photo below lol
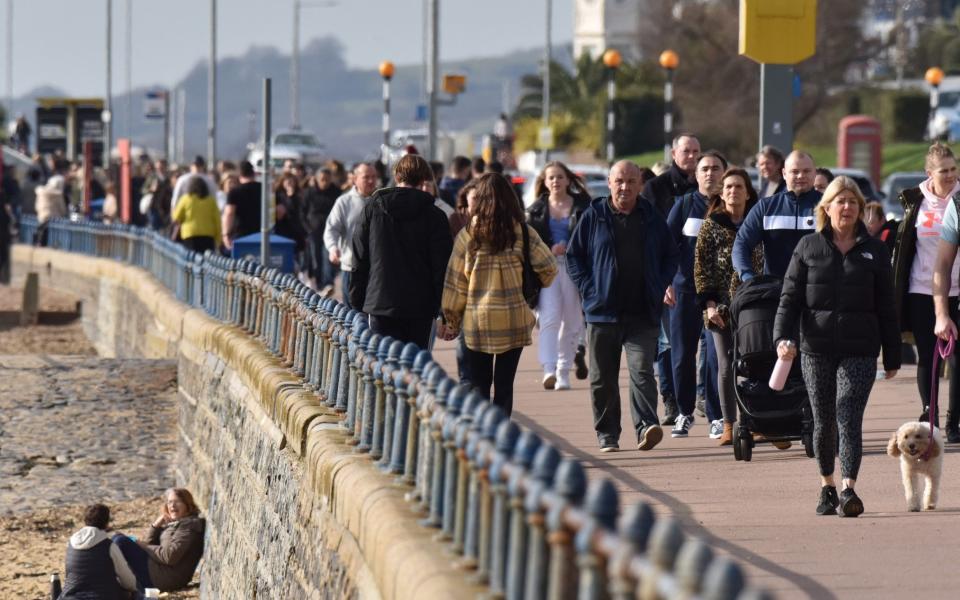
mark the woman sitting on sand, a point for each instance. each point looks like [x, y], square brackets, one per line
[168, 556]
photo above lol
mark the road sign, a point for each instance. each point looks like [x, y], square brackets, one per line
[454, 84]
[545, 138]
[422, 113]
[154, 106]
[778, 32]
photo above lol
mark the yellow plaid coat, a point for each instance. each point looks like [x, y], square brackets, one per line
[483, 292]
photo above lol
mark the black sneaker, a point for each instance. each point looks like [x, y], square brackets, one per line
[953, 435]
[670, 411]
[850, 503]
[925, 417]
[828, 501]
[609, 445]
[580, 362]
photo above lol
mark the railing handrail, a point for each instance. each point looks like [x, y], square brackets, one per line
[525, 518]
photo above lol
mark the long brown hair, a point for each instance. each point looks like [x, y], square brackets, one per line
[185, 496]
[498, 210]
[576, 185]
[716, 205]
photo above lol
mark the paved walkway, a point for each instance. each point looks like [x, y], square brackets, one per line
[762, 512]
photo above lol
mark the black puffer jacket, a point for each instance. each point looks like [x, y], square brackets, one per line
[663, 190]
[538, 216]
[905, 250]
[401, 246]
[842, 303]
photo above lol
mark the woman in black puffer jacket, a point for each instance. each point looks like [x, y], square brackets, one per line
[839, 291]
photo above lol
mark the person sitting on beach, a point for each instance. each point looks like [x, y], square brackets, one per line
[95, 567]
[168, 556]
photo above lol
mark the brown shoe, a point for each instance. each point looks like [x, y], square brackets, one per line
[649, 437]
[779, 445]
[726, 438]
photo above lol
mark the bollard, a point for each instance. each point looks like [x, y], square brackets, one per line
[634, 529]
[400, 427]
[508, 433]
[526, 448]
[363, 430]
[724, 580]
[390, 371]
[666, 538]
[692, 562]
[570, 485]
[544, 467]
[602, 505]
[492, 420]
[454, 426]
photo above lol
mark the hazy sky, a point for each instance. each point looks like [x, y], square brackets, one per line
[61, 42]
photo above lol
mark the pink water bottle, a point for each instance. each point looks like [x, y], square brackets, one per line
[781, 371]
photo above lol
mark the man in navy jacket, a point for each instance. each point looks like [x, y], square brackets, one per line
[621, 257]
[778, 222]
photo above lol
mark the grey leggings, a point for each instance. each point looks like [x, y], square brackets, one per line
[838, 389]
[723, 342]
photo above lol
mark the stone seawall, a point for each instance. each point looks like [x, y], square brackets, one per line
[292, 512]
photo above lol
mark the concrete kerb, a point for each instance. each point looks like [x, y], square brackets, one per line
[401, 556]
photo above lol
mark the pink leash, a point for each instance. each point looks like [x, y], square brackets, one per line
[942, 351]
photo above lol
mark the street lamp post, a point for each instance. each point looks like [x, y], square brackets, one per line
[547, 59]
[934, 77]
[386, 71]
[612, 60]
[212, 89]
[295, 59]
[669, 60]
[107, 114]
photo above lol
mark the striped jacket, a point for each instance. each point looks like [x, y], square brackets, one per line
[483, 292]
[778, 222]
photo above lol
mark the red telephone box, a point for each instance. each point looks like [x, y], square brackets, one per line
[859, 145]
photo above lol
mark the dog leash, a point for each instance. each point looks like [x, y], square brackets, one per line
[942, 351]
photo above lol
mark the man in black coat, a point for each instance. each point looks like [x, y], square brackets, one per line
[401, 246]
[662, 191]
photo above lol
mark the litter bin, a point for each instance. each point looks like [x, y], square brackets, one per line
[281, 250]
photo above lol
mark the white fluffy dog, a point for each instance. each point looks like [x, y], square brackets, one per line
[909, 443]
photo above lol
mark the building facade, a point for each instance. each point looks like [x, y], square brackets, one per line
[600, 25]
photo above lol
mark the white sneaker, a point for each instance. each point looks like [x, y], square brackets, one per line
[563, 381]
[549, 381]
[716, 429]
[682, 427]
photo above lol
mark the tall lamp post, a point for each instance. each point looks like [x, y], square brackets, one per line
[386, 71]
[669, 60]
[612, 60]
[934, 77]
[298, 5]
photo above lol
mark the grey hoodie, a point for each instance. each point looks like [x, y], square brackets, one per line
[88, 537]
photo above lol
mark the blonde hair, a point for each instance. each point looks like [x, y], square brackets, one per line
[937, 151]
[840, 184]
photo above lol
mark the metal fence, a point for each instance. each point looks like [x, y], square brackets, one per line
[524, 521]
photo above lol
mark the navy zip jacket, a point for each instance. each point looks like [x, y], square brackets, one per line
[778, 222]
[685, 219]
[592, 260]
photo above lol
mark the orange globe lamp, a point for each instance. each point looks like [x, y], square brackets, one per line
[669, 60]
[386, 69]
[612, 59]
[934, 76]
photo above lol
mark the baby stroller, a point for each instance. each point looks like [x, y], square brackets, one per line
[777, 416]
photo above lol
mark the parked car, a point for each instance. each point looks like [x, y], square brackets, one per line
[301, 146]
[893, 185]
[866, 186]
[944, 121]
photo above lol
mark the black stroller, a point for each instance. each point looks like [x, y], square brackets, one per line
[777, 416]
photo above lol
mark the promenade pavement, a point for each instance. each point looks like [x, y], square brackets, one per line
[762, 512]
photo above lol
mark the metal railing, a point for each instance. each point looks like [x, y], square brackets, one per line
[524, 520]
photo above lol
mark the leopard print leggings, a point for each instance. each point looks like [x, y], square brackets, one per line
[838, 389]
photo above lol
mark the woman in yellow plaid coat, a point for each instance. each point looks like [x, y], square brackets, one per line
[483, 288]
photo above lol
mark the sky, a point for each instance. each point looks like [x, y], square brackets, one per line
[62, 42]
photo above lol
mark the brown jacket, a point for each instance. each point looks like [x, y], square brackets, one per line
[174, 552]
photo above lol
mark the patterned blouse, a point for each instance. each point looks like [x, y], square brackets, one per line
[713, 271]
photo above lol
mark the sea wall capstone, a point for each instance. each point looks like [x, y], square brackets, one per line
[292, 511]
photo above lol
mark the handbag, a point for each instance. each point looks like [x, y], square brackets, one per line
[531, 281]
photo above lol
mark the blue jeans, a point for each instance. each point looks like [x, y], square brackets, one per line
[686, 328]
[136, 558]
[345, 287]
[664, 363]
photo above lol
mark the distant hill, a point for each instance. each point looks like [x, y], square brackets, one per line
[342, 105]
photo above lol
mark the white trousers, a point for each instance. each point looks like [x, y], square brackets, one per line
[561, 321]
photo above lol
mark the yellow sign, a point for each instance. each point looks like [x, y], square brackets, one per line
[778, 32]
[454, 84]
[545, 138]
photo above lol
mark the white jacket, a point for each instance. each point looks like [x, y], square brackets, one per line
[344, 216]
